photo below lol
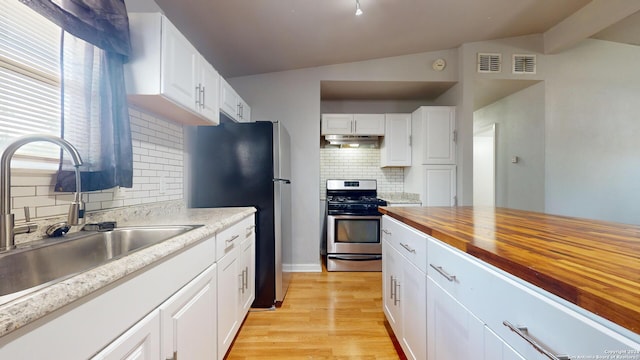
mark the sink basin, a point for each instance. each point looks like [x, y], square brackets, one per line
[53, 260]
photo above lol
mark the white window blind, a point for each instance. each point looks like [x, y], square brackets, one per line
[29, 78]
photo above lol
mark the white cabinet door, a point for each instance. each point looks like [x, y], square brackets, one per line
[232, 104]
[140, 342]
[438, 134]
[413, 293]
[247, 270]
[439, 185]
[228, 99]
[391, 272]
[208, 88]
[496, 349]
[395, 149]
[337, 124]
[244, 111]
[230, 285]
[404, 260]
[179, 59]
[368, 124]
[454, 333]
[166, 75]
[188, 319]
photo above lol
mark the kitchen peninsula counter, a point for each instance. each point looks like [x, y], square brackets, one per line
[593, 264]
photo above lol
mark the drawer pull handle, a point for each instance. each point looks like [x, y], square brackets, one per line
[441, 271]
[408, 248]
[522, 332]
[232, 239]
[386, 232]
[396, 299]
[392, 287]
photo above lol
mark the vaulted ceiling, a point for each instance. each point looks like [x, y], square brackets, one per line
[245, 37]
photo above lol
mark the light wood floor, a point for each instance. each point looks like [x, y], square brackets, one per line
[328, 315]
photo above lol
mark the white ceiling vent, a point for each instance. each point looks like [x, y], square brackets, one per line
[489, 63]
[524, 64]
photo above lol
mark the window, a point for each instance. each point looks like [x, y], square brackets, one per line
[29, 78]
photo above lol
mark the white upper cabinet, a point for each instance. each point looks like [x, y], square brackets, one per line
[434, 129]
[395, 149]
[209, 85]
[178, 65]
[353, 124]
[337, 124]
[166, 74]
[368, 124]
[232, 104]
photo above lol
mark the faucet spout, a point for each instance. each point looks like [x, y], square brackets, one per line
[7, 225]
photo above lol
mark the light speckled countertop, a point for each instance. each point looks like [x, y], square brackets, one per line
[400, 198]
[28, 308]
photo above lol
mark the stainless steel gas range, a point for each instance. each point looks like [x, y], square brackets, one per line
[353, 226]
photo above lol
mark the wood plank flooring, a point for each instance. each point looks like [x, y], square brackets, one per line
[328, 315]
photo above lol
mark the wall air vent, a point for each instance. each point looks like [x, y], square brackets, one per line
[489, 63]
[524, 64]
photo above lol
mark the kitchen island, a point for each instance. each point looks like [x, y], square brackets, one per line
[592, 264]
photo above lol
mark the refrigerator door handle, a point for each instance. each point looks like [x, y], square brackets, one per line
[286, 181]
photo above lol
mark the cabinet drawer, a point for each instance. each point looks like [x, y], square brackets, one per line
[410, 243]
[458, 273]
[553, 324]
[230, 238]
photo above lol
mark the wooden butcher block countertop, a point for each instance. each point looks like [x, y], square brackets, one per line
[593, 264]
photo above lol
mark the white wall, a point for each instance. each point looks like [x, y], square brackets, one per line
[293, 97]
[519, 120]
[593, 132]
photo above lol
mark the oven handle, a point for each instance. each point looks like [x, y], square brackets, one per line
[355, 257]
[361, 217]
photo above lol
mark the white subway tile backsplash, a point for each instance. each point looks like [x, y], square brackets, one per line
[157, 152]
[358, 164]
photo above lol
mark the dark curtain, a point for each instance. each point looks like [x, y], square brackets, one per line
[95, 113]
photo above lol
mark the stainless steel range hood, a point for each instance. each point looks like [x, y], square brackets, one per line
[353, 140]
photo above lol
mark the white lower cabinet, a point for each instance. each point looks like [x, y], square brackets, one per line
[495, 348]
[228, 299]
[404, 286]
[188, 320]
[454, 332]
[182, 327]
[141, 342]
[236, 280]
[175, 309]
[248, 269]
[391, 271]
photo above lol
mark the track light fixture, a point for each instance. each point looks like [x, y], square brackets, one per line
[358, 9]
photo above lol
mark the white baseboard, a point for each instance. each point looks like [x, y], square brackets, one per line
[302, 267]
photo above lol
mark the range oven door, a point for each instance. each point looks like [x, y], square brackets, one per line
[353, 234]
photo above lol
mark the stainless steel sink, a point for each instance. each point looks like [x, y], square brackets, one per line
[54, 260]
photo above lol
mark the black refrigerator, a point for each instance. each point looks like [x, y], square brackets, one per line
[248, 164]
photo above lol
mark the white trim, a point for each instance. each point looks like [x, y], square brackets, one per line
[302, 267]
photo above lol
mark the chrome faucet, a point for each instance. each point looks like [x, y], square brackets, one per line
[8, 230]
